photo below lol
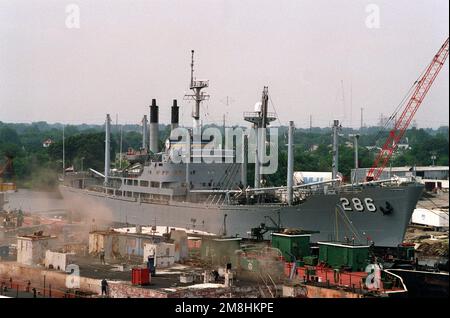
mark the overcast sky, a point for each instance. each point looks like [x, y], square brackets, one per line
[318, 58]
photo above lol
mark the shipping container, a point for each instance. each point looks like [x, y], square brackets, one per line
[140, 276]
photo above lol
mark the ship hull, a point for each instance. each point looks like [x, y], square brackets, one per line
[318, 213]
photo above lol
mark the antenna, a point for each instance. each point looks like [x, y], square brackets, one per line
[192, 68]
[227, 101]
[351, 104]
[343, 98]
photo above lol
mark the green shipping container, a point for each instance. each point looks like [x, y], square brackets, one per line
[338, 255]
[292, 245]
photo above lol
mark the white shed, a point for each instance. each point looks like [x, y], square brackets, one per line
[435, 218]
[31, 248]
[164, 253]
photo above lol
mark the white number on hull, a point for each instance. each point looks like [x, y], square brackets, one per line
[346, 204]
[358, 205]
[370, 205]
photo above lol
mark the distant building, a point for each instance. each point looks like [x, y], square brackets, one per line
[47, 143]
[70, 169]
[313, 148]
[306, 177]
[433, 174]
[404, 144]
[31, 248]
[349, 144]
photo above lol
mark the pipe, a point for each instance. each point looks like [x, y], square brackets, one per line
[294, 187]
[356, 158]
[97, 173]
[244, 161]
[290, 164]
[257, 168]
[154, 129]
[107, 148]
[335, 164]
[175, 118]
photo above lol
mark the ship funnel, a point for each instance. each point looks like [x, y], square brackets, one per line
[175, 115]
[154, 129]
[144, 132]
[107, 147]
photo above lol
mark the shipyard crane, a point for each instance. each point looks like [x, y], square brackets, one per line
[411, 106]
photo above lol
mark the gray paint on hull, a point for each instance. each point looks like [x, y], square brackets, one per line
[316, 213]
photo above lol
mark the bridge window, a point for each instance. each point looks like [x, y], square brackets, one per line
[144, 183]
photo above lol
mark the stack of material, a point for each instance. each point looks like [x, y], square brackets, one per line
[434, 248]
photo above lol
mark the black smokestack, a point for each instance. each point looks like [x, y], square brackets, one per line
[175, 118]
[154, 112]
[154, 129]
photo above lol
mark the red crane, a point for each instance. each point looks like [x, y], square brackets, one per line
[412, 105]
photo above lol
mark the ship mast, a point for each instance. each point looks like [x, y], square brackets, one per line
[198, 96]
[260, 119]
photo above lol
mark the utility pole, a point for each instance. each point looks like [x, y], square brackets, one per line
[107, 148]
[120, 147]
[361, 126]
[310, 123]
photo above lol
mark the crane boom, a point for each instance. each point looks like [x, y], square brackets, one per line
[413, 104]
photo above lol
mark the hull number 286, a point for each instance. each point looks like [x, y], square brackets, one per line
[359, 205]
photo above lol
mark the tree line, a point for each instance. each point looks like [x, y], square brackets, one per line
[39, 166]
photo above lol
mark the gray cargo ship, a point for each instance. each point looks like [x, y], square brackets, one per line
[215, 197]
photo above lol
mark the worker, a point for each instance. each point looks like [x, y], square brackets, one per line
[104, 287]
[102, 256]
[336, 275]
[215, 273]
